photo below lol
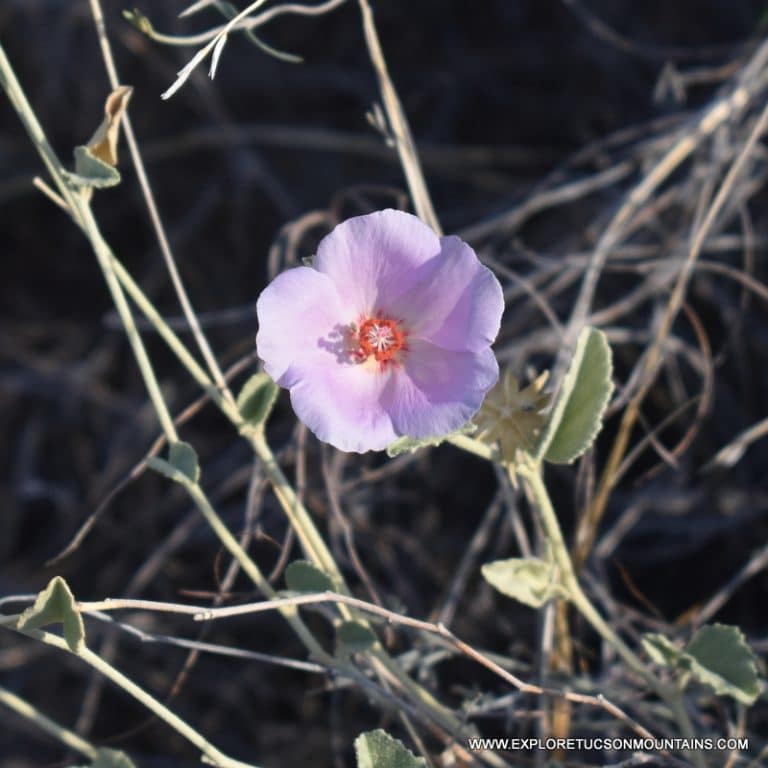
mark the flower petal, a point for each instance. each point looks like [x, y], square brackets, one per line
[459, 302]
[373, 259]
[437, 390]
[301, 320]
[342, 405]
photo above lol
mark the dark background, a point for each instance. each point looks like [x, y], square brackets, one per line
[499, 93]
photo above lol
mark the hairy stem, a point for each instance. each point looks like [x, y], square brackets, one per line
[671, 696]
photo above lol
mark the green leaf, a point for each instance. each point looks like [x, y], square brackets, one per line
[184, 457]
[411, 444]
[256, 398]
[577, 415]
[92, 172]
[352, 637]
[56, 605]
[661, 650]
[528, 580]
[182, 465]
[377, 749]
[110, 758]
[303, 576]
[718, 656]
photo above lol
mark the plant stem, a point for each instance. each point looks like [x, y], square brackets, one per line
[81, 210]
[154, 215]
[670, 695]
[310, 538]
[150, 702]
[250, 568]
[316, 549]
[398, 123]
[64, 735]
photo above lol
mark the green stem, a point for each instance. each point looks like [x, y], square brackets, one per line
[64, 735]
[554, 535]
[147, 308]
[105, 258]
[290, 613]
[81, 210]
[146, 699]
[316, 549]
[115, 274]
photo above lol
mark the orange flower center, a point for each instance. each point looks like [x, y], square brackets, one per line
[379, 337]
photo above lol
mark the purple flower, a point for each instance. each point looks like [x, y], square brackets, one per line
[387, 335]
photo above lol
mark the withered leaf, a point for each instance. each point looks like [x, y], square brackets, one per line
[103, 143]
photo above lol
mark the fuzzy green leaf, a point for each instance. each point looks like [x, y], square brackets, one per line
[183, 457]
[411, 444]
[577, 415]
[256, 398]
[303, 576]
[352, 637]
[90, 171]
[110, 758]
[182, 465]
[528, 580]
[718, 656]
[56, 605]
[377, 749]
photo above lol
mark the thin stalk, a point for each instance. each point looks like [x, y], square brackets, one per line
[290, 613]
[143, 697]
[554, 535]
[81, 210]
[176, 345]
[300, 519]
[105, 258]
[154, 215]
[398, 123]
[317, 550]
[68, 738]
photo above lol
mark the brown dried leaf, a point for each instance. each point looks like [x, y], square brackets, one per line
[103, 143]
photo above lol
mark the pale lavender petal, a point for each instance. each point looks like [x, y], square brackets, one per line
[342, 405]
[459, 303]
[301, 320]
[437, 390]
[373, 259]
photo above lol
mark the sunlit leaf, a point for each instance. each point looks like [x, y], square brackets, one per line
[56, 605]
[528, 580]
[377, 749]
[110, 758]
[577, 415]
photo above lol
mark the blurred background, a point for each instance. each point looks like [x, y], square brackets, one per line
[249, 171]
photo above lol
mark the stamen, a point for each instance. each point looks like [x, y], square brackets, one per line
[379, 337]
